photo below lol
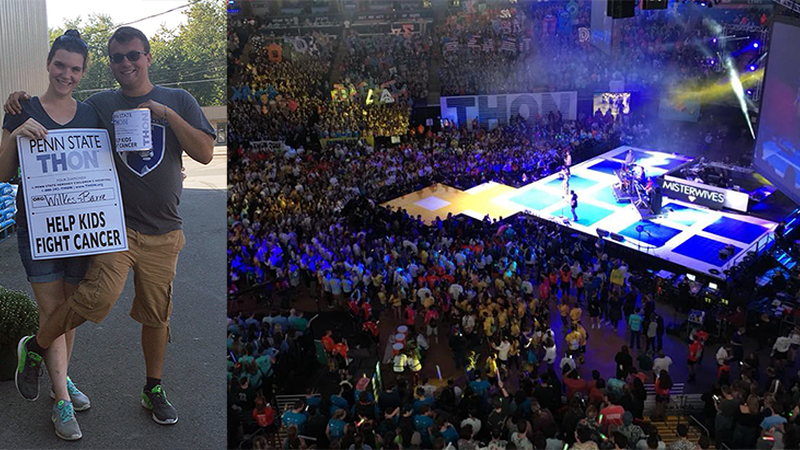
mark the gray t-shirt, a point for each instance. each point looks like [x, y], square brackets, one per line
[151, 181]
[85, 117]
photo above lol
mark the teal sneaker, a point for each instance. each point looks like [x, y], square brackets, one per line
[64, 421]
[156, 401]
[29, 369]
[80, 401]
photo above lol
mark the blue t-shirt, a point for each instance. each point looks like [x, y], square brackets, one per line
[450, 435]
[480, 387]
[85, 117]
[337, 428]
[338, 402]
[772, 421]
[264, 365]
[422, 423]
[635, 322]
[293, 418]
[418, 403]
[314, 400]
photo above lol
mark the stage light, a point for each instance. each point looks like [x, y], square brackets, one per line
[713, 40]
[752, 68]
[749, 92]
[755, 44]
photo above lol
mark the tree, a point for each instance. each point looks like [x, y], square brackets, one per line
[191, 56]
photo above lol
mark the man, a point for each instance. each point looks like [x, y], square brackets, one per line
[683, 442]
[502, 351]
[624, 362]
[635, 324]
[662, 362]
[573, 204]
[151, 186]
[724, 355]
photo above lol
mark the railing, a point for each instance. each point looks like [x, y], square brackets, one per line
[758, 246]
[699, 424]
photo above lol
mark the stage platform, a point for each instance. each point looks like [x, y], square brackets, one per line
[684, 233]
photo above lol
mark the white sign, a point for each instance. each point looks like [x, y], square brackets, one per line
[703, 194]
[132, 130]
[71, 194]
[267, 146]
[466, 108]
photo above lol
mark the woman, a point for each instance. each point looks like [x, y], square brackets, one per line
[52, 280]
[663, 385]
[748, 421]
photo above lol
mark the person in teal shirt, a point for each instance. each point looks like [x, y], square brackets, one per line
[635, 324]
[336, 425]
[298, 322]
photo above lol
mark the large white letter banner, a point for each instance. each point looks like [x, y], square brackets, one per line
[72, 194]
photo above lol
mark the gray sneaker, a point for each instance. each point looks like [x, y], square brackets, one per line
[80, 402]
[156, 401]
[29, 369]
[64, 420]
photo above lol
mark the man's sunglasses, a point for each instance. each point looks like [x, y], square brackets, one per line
[132, 56]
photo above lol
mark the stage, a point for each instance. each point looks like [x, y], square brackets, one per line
[684, 233]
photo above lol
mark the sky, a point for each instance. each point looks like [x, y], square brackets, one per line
[121, 11]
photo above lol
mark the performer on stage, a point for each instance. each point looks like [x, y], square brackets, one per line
[574, 204]
[629, 158]
[565, 182]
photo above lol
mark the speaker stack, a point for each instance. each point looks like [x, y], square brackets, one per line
[620, 9]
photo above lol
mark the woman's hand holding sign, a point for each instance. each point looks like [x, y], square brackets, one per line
[30, 128]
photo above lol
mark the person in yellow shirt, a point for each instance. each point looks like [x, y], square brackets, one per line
[573, 342]
[533, 306]
[428, 301]
[382, 296]
[520, 308]
[488, 326]
[575, 314]
[397, 304]
[423, 257]
[502, 319]
[515, 328]
[563, 308]
[513, 353]
[581, 341]
[491, 363]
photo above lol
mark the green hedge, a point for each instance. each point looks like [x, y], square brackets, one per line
[19, 317]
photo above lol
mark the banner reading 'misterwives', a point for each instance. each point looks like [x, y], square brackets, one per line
[72, 195]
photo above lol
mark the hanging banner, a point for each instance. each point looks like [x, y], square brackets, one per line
[71, 191]
[464, 109]
[275, 53]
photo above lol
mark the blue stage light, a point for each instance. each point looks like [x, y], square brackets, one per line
[756, 44]
[713, 40]
[752, 68]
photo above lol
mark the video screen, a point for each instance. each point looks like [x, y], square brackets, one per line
[617, 102]
[778, 138]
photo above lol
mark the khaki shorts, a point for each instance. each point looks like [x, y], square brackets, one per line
[153, 260]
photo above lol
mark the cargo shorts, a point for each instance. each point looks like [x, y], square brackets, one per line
[153, 259]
